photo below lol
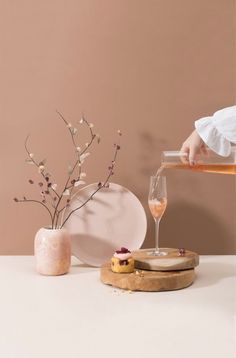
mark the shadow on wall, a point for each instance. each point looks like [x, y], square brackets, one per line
[150, 156]
[180, 228]
[185, 224]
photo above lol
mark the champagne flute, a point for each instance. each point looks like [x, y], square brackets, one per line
[157, 201]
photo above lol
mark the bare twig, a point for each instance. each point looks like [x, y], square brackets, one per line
[36, 201]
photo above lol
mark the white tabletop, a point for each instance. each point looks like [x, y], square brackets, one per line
[76, 316]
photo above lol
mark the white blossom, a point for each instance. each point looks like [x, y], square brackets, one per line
[91, 125]
[41, 168]
[78, 149]
[66, 192]
[69, 125]
[81, 121]
[74, 130]
[82, 175]
[86, 144]
[31, 155]
[70, 169]
[54, 186]
[84, 156]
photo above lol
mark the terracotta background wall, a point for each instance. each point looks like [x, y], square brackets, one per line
[148, 67]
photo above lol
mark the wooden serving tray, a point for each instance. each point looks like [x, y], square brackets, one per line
[142, 280]
[170, 262]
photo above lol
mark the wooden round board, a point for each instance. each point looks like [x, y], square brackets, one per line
[170, 262]
[147, 280]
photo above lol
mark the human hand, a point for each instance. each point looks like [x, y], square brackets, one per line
[193, 146]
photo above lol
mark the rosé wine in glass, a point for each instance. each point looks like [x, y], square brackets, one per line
[157, 201]
[157, 207]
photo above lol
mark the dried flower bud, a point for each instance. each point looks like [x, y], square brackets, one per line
[118, 147]
[41, 168]
[99, 184]
[119, 132]
[49, 185]
[98, 138]
[43, 162]
[55, 198]
[16, 200]
[68, 200]
[47, 178]
[182, 252]
[40, 184]
[73, 181]
[46, 192]
[43, 201]
[31, 181]
[107, 185]
[24, 198]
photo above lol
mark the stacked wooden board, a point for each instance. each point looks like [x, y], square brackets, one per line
[155, 273]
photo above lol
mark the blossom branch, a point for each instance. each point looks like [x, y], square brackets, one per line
[39, 165]
[100, 185]
[67, 187]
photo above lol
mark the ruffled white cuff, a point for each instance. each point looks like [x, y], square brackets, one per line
[212, 137]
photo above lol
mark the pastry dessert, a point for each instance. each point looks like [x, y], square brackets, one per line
[122, 261]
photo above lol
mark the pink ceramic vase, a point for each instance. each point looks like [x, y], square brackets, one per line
[52, 249]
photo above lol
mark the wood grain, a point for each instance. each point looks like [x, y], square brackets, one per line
[170, 262]
[147, 280]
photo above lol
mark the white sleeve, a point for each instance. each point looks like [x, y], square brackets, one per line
[219, 130]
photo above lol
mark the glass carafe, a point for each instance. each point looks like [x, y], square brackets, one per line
[211, 162]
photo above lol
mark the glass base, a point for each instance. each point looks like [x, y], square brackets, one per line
[158, 252]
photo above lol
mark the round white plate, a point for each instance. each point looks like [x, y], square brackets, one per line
[112, 219]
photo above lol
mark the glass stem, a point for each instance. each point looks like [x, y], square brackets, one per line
[157, 249]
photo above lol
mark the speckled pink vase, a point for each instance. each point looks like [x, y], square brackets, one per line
[52, 249]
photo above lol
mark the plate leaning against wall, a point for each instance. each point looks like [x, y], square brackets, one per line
[114, 218]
